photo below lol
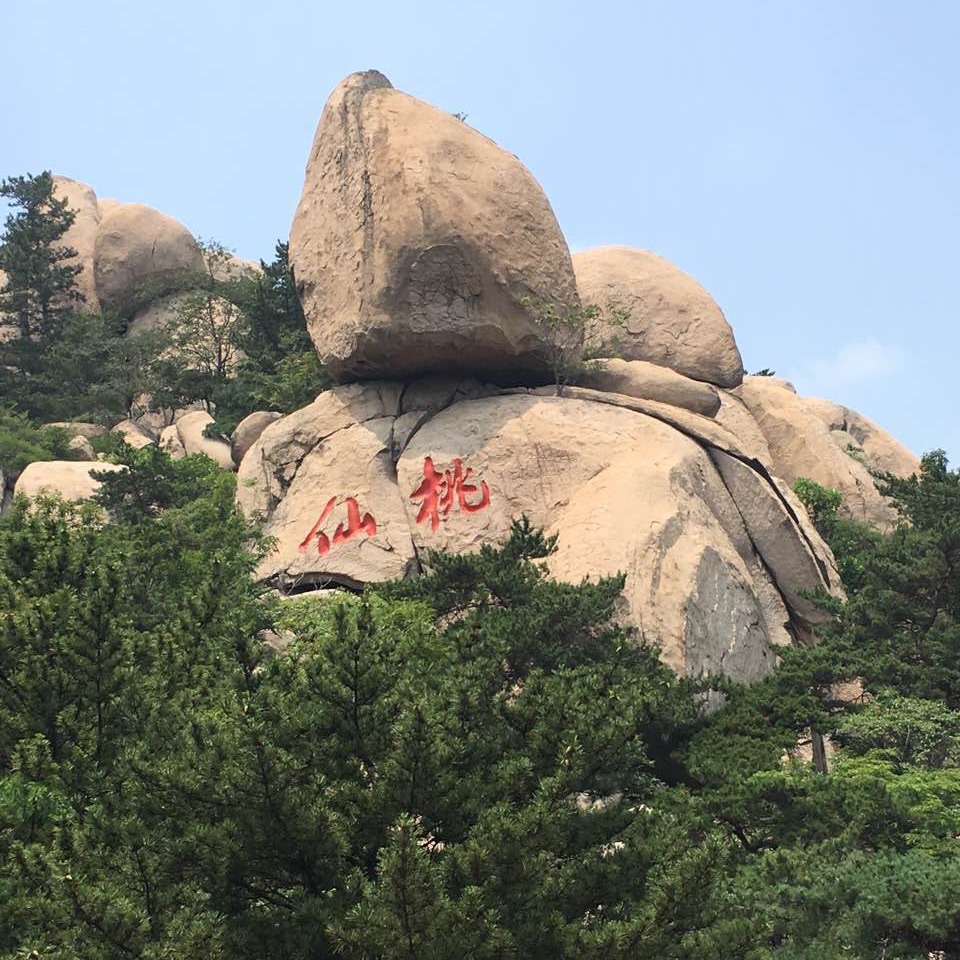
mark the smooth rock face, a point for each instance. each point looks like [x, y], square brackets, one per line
[322, 481]
[415, 240]
[671, 320]
[793, 552]
[851, 429]
[624, 492]
[800, 445]
[141, 254]
[69, 479]
[248, 432]
[190, 429]
[82, 235]
[637, 378]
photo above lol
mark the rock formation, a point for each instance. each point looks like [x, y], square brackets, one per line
[82, 234]
[359, 484]
[414, 245]
[802, 442]
[417, 239]
[130, 254]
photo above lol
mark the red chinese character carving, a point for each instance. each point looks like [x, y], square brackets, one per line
[439, 491]
[355, 526]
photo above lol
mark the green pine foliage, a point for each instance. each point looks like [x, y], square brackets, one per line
[21, 442]
[39, 288]
[279, 369]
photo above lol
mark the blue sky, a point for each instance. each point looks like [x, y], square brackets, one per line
[799, 159]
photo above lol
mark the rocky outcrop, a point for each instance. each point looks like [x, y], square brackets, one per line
[190, 431]
[323, 482]
[669, 319]
[69, 479]
[170, 442]
[647, 381]
[82, 234]
[76, 428]
[801, 445]
[416, 240]
[855, 434]
[355, 487]
[133, 434]
[81, 448]
[248, 432]
[140, 255]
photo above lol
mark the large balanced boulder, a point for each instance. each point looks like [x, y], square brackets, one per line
[140, 255]
[801, 446]
[666, 317]
[357, 486]
[417, 240]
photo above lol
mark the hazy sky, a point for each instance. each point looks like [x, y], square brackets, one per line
[800, 159]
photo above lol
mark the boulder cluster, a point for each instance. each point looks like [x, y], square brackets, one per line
[425, 256]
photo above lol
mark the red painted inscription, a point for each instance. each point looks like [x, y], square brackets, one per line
[355, 526]
[440, 492]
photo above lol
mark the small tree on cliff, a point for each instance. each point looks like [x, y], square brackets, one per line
[39, 289]
[573, 335]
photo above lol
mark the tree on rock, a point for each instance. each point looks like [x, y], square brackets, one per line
[40, 287]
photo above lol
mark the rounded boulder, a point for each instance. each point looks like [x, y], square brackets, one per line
[665, 316]
[141, 255]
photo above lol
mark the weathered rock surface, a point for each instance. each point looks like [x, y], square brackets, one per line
[322, 481]
[671, 320]
[248, 432]
[716, 558]
[69, 479]
[850, 429]
[80, 447]
[77, 428]
[624, 492]
[735, 417]
[82, 234]
[140, 255]
[416, 239]
[133, 434]
[800, 445]
[190, 429]
[648, 381]
[169, 441]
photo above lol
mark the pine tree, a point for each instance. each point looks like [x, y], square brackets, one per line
[40, 286]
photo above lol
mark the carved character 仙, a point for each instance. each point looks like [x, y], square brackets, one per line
[355, 526]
